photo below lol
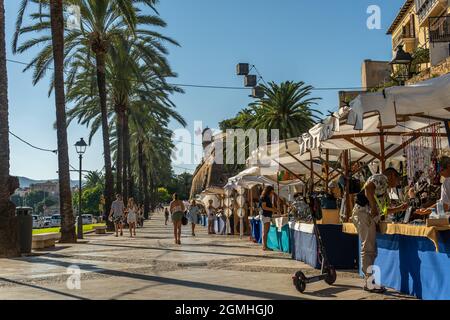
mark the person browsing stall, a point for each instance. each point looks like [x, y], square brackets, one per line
[268, 208]
[371, 204]
[445, 188]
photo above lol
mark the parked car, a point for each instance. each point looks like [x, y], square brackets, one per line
[56, 220]
[38, 222]
[87, 219]
[47, 222]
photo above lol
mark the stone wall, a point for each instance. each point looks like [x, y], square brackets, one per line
[433, 72]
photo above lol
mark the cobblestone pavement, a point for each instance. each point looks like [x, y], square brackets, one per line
[151, 266]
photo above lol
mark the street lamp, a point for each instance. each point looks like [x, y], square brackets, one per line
[401, 65]
[80, 146]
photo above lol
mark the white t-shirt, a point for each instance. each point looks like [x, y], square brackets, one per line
[445, 191]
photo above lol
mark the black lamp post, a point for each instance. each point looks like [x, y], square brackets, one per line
[401, 65]
[80, 146]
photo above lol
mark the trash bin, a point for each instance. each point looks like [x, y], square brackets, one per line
[25, 223]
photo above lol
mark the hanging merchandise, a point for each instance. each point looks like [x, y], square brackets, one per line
[422, 155]
[240, 212]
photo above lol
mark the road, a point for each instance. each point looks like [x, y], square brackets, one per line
[151, 266]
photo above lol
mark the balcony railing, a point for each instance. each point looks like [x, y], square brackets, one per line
[439, 29]
[400, 37]
[425, 7]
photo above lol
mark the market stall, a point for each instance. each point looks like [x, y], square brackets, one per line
[413, 252]
[413, 259]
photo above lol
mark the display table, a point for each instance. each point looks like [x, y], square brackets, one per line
[413, 259]
[256, 226]
[279, 238]
[341, 248]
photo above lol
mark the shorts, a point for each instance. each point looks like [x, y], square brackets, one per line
[118, 219]
[264, 219]
[211, 218]
[177, 216]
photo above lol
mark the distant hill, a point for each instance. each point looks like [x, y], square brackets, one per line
[26, 182]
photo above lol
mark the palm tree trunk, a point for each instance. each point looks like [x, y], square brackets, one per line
[152, 193]
[9, 240]
[145, 190]
[126, 158]
[119, 161]
[140, 164]
[101, 82]
[65, 195]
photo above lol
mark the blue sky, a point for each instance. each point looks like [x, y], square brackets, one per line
[320, 42]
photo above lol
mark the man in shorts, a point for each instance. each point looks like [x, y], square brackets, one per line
[116, 214]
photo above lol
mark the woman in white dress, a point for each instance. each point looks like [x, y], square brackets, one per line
[132, 211]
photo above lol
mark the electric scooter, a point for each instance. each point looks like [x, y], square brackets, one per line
[328, 272]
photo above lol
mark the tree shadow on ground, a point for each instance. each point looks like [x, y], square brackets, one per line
[34, 286]
[187, 251]
[159, 279]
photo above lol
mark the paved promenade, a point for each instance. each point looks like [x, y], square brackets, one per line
[151, 266]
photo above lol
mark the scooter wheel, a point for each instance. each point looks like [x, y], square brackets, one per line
[299, 281]
[331, 276]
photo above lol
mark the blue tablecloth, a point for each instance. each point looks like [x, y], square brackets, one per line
[256, 226]
[304, 247]
[411, 265]
[341, 248]
[279, 241]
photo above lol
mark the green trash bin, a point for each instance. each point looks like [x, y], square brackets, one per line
[25, 224]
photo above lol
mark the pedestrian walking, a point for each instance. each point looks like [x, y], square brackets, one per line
[211, 211]
[132, 212]
[177, 209]
[166, 216]
[194, 211]
[116, 214]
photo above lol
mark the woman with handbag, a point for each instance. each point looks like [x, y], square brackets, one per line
[177, 210]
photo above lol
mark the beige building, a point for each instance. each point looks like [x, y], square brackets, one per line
[48, 186]
[374, 73]
[423, 24]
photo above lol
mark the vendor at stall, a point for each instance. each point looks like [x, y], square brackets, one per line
[445, 188]
[371, 203]
[267, 205]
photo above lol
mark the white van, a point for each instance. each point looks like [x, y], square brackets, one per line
[56, 220]
[86, 218]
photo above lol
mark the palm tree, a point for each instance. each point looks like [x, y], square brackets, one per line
[65, 194]
[286, 107]
[9, 241]
[54, 22]
[93, 179]
[101, 22]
